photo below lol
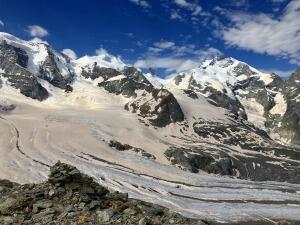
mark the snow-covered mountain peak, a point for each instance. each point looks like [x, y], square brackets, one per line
[10, 38]
[218, 73]
[37, 54]
[34, 67]
[102, 59]
[220, 118]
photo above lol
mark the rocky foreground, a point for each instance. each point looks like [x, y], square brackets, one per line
[70, 197]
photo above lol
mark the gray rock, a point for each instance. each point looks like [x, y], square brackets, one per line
[144, 221]
[160, 104]
[105, 215]
[7, 220]
[43, 204]
[14, 62]
[96, 72]
[49, 71]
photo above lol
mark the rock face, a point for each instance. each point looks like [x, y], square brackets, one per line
[125, 86]
[257, 132]
[125, 147]
[50, 72]
[96, 71]
[13, 62]
[218, 98]
[160, 106]
[6, 107]
[157, 106]
[265, 100]
[27, 65]
[290, 123]
[193, 161]
[217, 161]
[70, 197]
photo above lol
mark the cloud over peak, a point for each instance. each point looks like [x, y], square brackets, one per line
[70, 53]
[169, 56]
[266, 34]
[37, 31]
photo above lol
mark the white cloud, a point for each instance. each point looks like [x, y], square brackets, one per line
[239, 3]
[142, 3]
[155, 50]
[164, 44]
[140, 44]
[175, 58]
[37, 31]
[1, 23]
[172, 48]
[106, 56]
[102, 51]
[174, 15]
[263, 33]
[130, 35]
[159, 62]
[70, 53]
[193, 7]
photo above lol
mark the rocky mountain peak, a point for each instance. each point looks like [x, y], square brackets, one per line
[102, 59]
[295, 77]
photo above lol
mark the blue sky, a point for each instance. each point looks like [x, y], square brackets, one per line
[168, 35]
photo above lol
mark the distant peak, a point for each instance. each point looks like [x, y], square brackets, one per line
[102, 59]
[9, 37]
[13, 40]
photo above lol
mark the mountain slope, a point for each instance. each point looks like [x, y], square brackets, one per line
[260, 98]
[238, 139]
[218, 122]
[290, 123]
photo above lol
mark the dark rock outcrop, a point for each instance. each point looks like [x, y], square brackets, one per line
[167, 110]
[290, 123]
[6, 107]
[50, 72]
[195, 161]
[70, 197]
[96, 72]
[160, 107]
[125, 86]
[13, 61]
[217, 98]
[217, 161]
[136, 75]
[220, 99]
[125, 147]
[191, 94]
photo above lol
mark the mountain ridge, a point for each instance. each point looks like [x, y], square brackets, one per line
[256, 112]
[204, 143]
